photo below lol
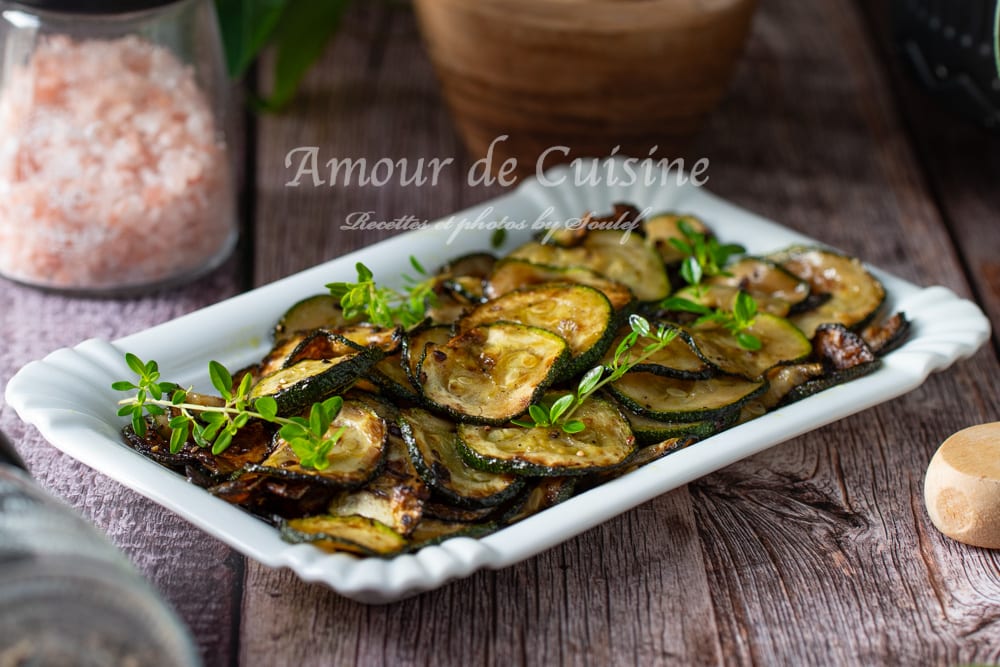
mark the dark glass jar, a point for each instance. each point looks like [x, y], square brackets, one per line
[952, 48]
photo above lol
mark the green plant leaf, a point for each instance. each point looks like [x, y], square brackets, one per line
[590, 380]
[178, 436]
[302, 33]
[539, 414]
[135, 364]
[221, 379]
[560, 407]
[684, 305]
[123, 385]
[748, 341]
[246, 26]
[267, 407]
[222, 442]
[498, 237]
[574, 426]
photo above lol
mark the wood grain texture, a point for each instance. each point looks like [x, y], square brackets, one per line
[815, 552]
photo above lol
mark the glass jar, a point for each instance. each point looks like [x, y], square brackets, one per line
[114, 169]
[67, 596]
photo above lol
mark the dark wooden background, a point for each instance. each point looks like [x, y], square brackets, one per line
[818, 551]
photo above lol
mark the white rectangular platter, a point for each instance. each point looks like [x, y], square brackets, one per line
[68, 397]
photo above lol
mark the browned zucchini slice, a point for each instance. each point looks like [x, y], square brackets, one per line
[840, 348]
[884, 337]
[762, 277]
[513, 274]
[679, 359]
[580, 315]
[781, 343]
[855, 294]
[670, 399]
[435, 531]
[625, 258]
[723, 296]
[649, 431]
[544, 493]
[606, 441]
[297, 387]
[491, 373]
[659, 229]
[781, 380]
[433, 448]
[392, 378]
[414, 343]
[321, 311]
[357, 535]
[357, 457]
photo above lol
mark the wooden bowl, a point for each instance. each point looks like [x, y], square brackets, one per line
[586, 74]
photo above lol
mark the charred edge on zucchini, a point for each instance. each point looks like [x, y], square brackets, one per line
[884, 337]
[670, 399]
[649, 431]
[514, 274]
[856, 296]
[491, 373]
[781, 343]
[433, 447]
[679, 359]
[541, 495]
[839, 348]
[763, 277]
[430, 532]
[414, 344]
[354, 534]
[605, 443]
[297, 387]
[580, 315]
[616, 256]
[321, 311]
[356, 459]
[830, 379]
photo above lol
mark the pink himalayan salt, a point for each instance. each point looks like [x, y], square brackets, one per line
[112, 171]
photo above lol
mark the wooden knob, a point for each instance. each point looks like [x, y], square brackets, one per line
[962, 488]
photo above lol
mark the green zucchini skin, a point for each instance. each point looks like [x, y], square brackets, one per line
[856, 296]
[414, 343]
[491, 373]
[760, 276]
[680, 359]
[650, 431]
[831, 379]
[626, 259]
[782, 343]
[512, 274]
[358, 535]
[356, 459]
[670, 399]
[296, 387]
[390, 376]
[430, 532]
[606, 442]
[541, 494]
[320, 311]
[433, 448]
[579, 314]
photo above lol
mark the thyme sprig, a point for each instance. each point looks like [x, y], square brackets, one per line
[736, 322]
[385, 306]
[215, 426]
[704, 256]
[560, 412]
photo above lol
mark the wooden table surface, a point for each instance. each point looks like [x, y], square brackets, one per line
[818, 551]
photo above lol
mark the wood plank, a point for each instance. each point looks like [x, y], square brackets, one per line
[179, 560]
[820, 550]
[632, 590]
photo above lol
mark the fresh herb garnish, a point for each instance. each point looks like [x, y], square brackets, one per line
[561, 411]
[215, 426]
[736, 321]
[704, 256]
[385, 306]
